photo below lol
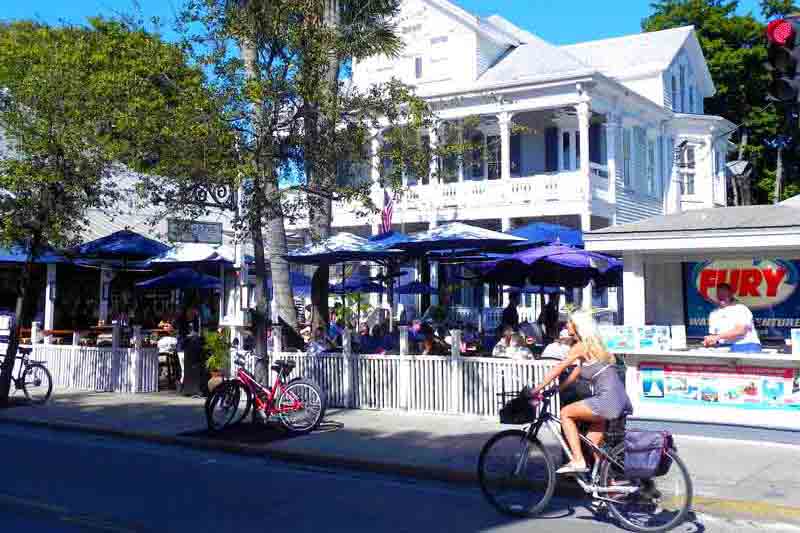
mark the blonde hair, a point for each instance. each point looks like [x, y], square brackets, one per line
[586, 330]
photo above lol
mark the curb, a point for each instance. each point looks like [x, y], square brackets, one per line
[734, 509]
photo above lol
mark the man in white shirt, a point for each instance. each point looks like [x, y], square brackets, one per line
[731, 324]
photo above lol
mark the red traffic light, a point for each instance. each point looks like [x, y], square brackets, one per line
[781, 32]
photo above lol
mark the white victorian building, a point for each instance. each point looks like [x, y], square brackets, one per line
[581, 135]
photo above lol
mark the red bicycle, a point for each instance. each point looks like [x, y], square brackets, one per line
[299, 404]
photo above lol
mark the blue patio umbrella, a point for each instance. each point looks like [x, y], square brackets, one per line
[553, 265]
[301, 284]
[181, 278]
[195, 252]
[415, 287]
[124, 244]
[341, 248]
[537, 233]
[19, 254]
[357, 284]
[456, 236]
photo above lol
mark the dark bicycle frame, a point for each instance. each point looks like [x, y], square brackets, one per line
[26, 363]
[553, 423]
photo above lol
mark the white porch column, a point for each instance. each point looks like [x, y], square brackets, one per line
[50, 300]
[633, 290]
[106, 275]
[504, 121]
[612, 132]
[505, 223]
[584, 114]
[433, 134]
[586, 297]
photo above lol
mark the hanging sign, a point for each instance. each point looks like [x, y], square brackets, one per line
[194, 231]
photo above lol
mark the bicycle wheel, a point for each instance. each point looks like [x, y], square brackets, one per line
[301, 406]
[660, 504]
[221, 405]
[37, 384]
[244, 401]
[516, 473]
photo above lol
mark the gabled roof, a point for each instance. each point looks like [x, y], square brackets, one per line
[751, 217]
[534, 59]
[638, 55]
[478, 24]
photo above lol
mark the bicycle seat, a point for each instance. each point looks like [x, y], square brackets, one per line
[283, 366]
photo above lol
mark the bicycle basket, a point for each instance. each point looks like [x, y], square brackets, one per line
[517, 410]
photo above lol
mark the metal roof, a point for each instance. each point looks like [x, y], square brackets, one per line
[755, 217]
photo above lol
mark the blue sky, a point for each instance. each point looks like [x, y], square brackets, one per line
[557, 21]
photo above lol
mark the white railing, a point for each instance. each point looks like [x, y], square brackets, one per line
[537, 189]
[124, 370]
[419, 383]
[488, 317]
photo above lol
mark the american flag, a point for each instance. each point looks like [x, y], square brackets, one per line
[386, 212]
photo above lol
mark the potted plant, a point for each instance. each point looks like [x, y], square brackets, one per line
[217, 351]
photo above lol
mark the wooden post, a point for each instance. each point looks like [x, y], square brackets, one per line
[277, 341]
[76, 351]
[455, 371]
[347, 368]
[134, 377]
[404, 380]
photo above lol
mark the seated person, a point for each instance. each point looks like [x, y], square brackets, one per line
[366, 342]
[532, 332]
[306, 334]
[431, 344]
[319, 344]
[559, 348]
[504, 344]
[517, 349]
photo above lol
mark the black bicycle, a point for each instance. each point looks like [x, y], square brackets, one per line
[33, 378]
[517, 475]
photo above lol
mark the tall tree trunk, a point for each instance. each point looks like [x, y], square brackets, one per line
[778, 177]
[321, 208]
[23, 307]
[267, 190]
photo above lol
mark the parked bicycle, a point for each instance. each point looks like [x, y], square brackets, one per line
[517, 473]
[299, 404]
[33, 378]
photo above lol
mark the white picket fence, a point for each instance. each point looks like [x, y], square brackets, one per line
[418, 383]
[99, 369]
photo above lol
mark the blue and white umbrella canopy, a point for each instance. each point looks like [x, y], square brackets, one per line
[181, 278]
[415, 287]
[457, 236]
[537, 233]
[195, 253]
[124, 244]
[340, 248]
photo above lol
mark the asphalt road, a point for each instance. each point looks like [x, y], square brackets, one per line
[67, 482]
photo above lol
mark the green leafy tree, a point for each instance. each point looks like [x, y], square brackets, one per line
[76, 101]
[735, 48]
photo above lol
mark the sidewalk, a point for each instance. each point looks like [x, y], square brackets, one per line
[731, 478]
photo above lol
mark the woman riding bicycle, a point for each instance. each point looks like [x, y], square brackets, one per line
[609, 400]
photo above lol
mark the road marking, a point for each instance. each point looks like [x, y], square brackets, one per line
[720, 440]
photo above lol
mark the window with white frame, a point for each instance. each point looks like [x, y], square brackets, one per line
[566, 163]
[691, 100]
[440, 39]
[639, 159]
[687, 168]
[626, 158]
[651, 167]
[418, 67]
